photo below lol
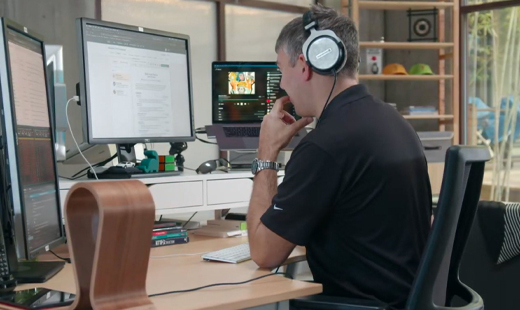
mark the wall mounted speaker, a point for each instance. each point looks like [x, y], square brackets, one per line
[422, 25]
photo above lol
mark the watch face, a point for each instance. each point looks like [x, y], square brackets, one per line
[254, 166]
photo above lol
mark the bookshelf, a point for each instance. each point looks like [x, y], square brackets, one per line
[446, 50]
[383, 77]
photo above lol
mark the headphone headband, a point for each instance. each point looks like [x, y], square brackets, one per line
[308, 21]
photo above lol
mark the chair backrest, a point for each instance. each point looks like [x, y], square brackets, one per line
[496, 281]
[437, 280]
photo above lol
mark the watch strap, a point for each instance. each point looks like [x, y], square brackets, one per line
[266, 164]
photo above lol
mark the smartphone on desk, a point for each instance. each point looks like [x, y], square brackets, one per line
[36, 298]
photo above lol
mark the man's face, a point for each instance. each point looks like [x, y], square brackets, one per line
[294, 83]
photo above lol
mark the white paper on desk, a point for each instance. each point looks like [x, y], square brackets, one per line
[241, 233]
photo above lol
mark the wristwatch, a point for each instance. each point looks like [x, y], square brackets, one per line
[259, 165]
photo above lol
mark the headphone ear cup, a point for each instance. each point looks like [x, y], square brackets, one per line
[324, 52]
[342, 59]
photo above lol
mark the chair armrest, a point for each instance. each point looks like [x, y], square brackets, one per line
[322, 302]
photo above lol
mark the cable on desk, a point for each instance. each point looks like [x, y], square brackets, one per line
[189, 219]
[200, 130]
[76, 177]
[101, 163]
[217, 284]
[62, 258]
[188, 168]
[205, 141]
[76, 98]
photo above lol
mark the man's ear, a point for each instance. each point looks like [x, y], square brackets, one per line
[306, 69]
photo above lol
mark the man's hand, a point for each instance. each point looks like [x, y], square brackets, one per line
[278, 128]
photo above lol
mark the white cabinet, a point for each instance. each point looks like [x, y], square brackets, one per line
[192, 192]
[177, 195]
[229, 191]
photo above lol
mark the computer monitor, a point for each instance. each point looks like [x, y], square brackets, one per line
[31, 194]
[244, 92]
[135, 84]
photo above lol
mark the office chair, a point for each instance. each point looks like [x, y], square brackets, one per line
[437, 280]
[491, 260]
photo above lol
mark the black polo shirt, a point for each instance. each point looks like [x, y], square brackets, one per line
[356, 193]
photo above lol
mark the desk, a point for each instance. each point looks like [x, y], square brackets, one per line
[185, 272]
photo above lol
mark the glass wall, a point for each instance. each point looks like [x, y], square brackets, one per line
[492, 95]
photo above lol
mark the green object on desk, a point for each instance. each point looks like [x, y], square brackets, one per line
[169, 167]
[150, 163]
[169, 159]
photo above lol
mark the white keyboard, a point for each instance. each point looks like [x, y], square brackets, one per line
[234, 255]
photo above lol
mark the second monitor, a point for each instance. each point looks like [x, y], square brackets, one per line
[135, 84]
[244, 92]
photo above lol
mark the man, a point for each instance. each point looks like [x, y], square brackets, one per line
[356, 190]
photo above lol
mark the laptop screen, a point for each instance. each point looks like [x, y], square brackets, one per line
[243, 92]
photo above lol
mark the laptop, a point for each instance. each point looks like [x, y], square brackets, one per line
[242, 94]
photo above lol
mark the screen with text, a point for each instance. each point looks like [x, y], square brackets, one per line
[34, 141]
[138, 84]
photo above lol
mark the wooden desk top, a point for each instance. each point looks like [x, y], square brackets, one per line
[186, 272]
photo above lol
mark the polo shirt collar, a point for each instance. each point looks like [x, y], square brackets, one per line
[351, 94]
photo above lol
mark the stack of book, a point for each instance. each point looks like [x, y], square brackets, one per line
[168, 233]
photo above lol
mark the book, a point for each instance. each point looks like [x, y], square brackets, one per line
[172, 228]
[167, 232]
[162, 224]
[173, 235]
[170, 241]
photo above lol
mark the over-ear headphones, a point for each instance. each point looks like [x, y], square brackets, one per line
[323, 50]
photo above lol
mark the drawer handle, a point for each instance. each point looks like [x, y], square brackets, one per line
[431, 148]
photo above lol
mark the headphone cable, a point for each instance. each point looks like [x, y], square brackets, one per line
[330, 94]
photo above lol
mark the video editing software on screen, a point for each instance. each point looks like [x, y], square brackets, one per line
[245, 92]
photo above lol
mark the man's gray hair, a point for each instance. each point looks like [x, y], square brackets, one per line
[293, 36]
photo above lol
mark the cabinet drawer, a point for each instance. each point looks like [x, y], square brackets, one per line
[177, 195]
[229, 191]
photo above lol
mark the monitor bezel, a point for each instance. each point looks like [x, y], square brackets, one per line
[84, 96]
[9, 141]
[213, 99]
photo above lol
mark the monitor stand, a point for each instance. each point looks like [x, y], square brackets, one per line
[126, 152]
[36, 272]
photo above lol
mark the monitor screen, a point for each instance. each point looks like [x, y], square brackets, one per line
[136, 84]
[38, 207]
[244, 92]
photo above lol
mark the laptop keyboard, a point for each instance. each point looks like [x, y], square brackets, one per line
[234, 132]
